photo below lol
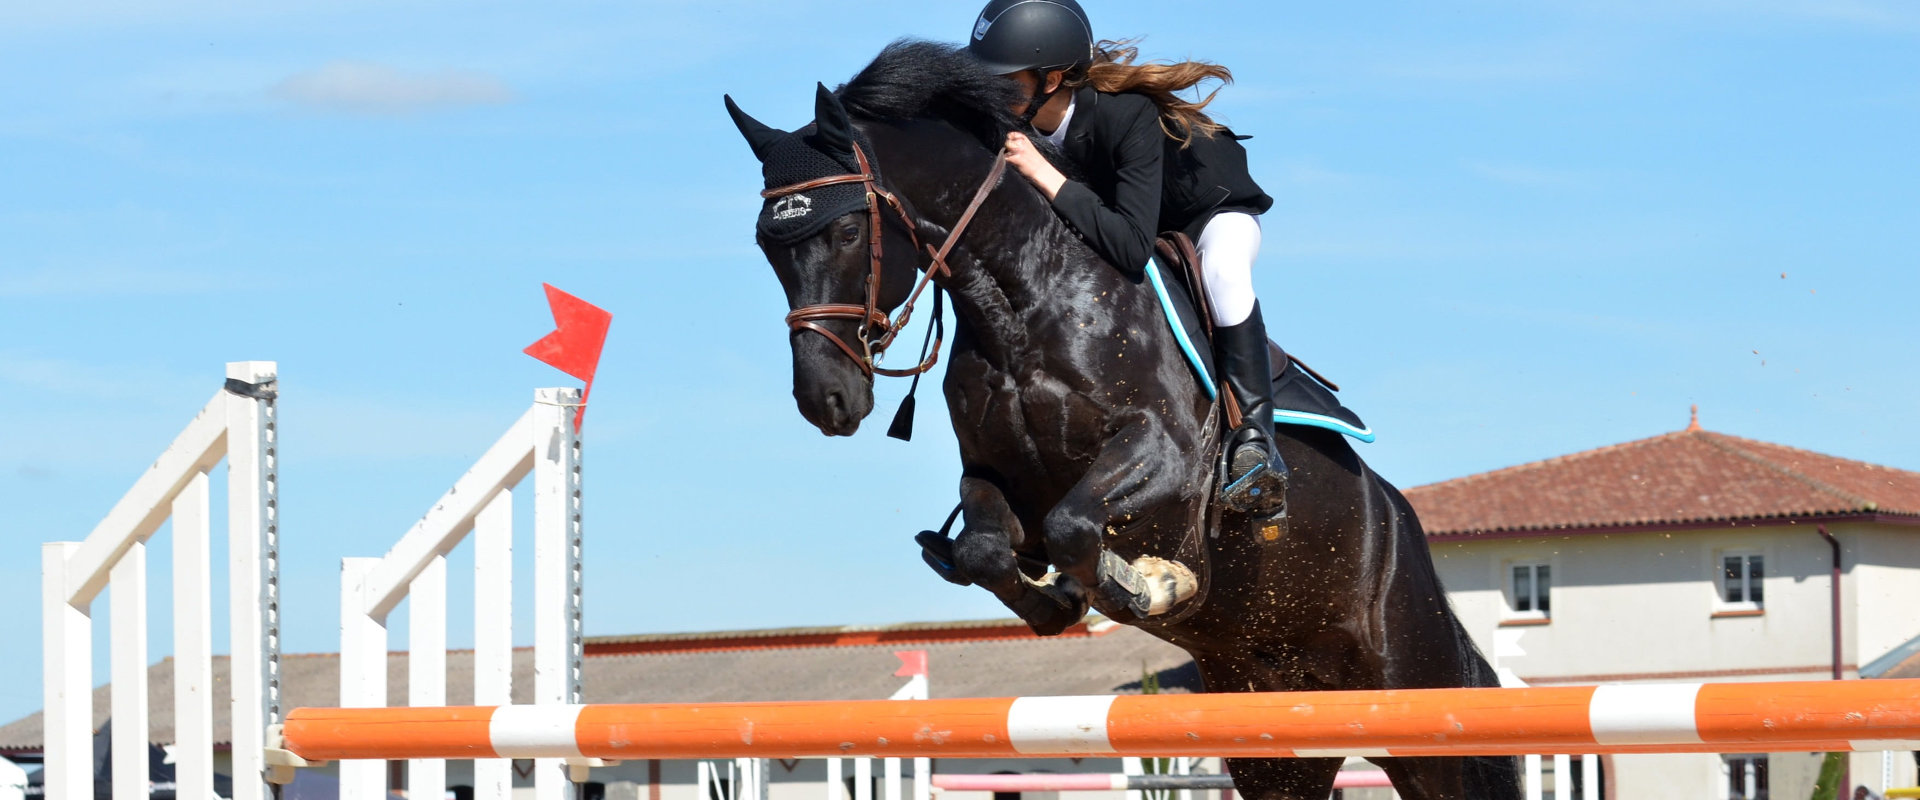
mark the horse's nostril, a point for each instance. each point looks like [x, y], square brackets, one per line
[836, 408]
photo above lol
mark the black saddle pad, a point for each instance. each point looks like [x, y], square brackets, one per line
[1298, 398]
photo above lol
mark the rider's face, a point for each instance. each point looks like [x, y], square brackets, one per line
[1028, 84]
[1026, 81]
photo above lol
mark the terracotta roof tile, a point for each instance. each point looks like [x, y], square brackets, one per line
[1910, 668]
[1691, 476]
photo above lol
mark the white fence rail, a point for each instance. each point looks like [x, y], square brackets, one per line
[239, 425]
[542, 442]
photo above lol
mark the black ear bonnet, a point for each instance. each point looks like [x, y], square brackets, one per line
[818, 150]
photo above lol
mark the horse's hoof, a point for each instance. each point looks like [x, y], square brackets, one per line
[1051, 604]
[937, 551]
[1169, 583]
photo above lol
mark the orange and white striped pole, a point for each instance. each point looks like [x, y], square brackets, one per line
[1630, 718]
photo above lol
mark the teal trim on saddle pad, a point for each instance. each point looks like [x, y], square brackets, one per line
[1280, 416]
[1179, 328]
[1284, 417]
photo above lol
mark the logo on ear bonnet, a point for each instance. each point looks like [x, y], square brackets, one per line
[791, 206]
[980, 27]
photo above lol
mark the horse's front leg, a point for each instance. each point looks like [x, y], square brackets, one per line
[984, 554]
[1139, 469]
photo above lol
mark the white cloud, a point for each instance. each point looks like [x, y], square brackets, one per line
[359, 87]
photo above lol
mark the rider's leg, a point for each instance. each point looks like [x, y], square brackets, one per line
[1256, 476]
[1228, 246]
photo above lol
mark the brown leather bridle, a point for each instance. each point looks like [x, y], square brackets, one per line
[873, 346]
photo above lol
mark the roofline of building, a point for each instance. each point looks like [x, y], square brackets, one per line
[1892, 658]
[1536, 464]
[1897, 519]
[840, 636]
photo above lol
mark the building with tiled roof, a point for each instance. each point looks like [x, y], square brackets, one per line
[1689, 479]
[1689, 556]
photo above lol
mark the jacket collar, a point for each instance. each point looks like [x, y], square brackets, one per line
[1085, 101]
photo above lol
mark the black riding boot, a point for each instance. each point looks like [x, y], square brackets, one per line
[1256, 477]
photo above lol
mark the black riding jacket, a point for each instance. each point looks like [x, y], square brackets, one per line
[1139, 181]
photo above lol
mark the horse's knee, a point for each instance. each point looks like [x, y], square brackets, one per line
[986, 557]
[1073, 543]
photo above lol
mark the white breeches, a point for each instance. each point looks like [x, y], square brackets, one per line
[1228, 246]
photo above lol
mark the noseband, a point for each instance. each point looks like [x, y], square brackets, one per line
[877, 329]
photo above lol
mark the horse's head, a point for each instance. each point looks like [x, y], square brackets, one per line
[843, 261]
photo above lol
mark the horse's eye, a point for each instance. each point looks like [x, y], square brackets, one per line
[849, 234]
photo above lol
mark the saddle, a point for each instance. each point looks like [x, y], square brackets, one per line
[1301, 396]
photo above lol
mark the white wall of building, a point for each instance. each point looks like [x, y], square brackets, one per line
[1646, 606]
[1884, 568]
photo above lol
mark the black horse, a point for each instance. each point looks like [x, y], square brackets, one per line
[1087, 442]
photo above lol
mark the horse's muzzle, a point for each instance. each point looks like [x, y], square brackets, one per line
[831, 392]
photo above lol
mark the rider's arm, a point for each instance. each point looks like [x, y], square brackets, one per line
[1122, 230]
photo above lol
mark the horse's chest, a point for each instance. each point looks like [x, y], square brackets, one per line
[1030, 417]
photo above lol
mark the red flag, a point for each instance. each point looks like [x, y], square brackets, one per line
[579, 331]
[912, 662]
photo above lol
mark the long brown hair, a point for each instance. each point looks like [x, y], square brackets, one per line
[1113, 71]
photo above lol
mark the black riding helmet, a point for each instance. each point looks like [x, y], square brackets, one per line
[1019, 35]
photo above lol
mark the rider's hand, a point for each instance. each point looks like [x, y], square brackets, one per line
[1027, 160]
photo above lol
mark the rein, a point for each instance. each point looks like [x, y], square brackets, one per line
[873, 346]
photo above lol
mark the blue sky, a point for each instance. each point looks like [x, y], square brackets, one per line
[1510, 230]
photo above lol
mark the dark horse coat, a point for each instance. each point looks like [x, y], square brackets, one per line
[1082, 431]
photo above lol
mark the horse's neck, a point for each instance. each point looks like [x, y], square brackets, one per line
[1013, 261]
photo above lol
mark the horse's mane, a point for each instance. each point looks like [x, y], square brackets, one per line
[918, 79]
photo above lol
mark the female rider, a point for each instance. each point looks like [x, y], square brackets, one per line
[1154, 162]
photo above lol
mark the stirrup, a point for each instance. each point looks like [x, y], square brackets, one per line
[937, 550]
[1262, 490]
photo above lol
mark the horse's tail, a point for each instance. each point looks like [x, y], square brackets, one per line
[1476, 671]
[1485, 777]
[1479, 673]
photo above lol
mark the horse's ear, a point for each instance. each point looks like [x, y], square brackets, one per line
[835, 128]
[759, 136]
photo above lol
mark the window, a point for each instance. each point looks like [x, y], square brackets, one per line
[1741, 584]
[1529, 590]
[1746, 776]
